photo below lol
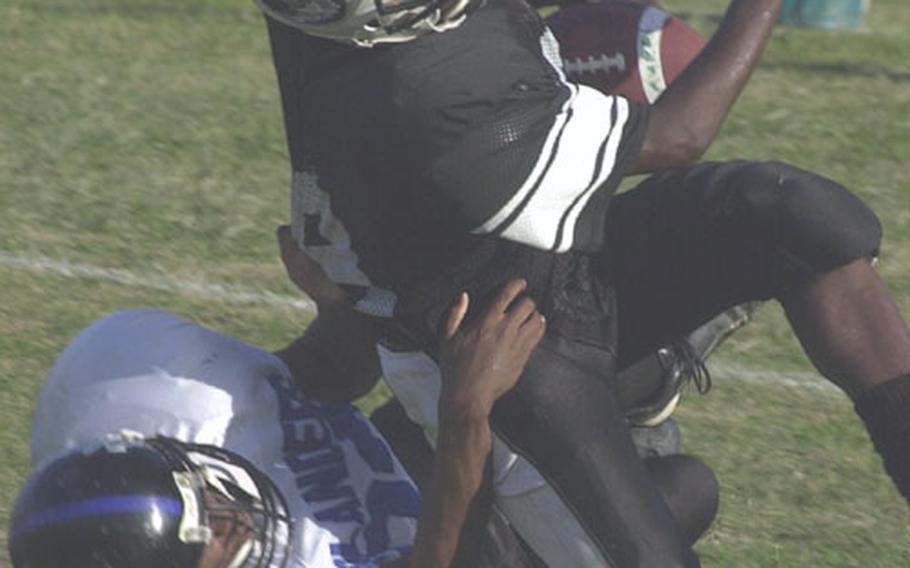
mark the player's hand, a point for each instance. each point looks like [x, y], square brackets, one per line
[483, 359]
[335, 359]
[305, 272]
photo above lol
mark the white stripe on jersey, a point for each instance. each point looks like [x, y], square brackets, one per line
[577, 156]
[333, 252]
[606, 165]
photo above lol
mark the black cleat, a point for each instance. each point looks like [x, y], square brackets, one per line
[709, 336]
[683, 362]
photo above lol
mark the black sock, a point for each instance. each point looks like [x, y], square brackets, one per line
[885, 408]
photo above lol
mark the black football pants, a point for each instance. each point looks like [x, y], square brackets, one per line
[680, 248]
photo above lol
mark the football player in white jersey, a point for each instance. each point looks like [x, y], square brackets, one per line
[161, 443]
[152, 428]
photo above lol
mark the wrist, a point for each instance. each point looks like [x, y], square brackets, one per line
[463, 409]
[463, 441]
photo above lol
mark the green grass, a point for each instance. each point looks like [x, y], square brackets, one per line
[146, 135]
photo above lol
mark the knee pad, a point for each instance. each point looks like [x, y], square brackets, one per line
[808, 223]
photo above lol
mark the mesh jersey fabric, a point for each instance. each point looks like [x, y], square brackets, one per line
[453, 161]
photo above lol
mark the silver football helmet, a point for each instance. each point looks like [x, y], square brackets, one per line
[367, 22]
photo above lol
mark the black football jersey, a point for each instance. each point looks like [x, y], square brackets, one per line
[450, 162]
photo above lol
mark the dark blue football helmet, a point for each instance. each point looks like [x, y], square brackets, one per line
[134, 502]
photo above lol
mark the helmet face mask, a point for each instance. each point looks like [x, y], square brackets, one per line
[401, 15]
[238, 494]
[149, 503]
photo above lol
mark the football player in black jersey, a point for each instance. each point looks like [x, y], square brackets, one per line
[437, 147]
[338, 350]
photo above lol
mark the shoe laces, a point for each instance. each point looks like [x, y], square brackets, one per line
[690, 366]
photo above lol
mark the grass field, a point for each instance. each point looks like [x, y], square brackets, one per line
[144, 136]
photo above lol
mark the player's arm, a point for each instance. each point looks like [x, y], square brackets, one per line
[480, 361]
[335, 359]
[687, 117]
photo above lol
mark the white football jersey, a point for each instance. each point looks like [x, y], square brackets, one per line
[154, 373]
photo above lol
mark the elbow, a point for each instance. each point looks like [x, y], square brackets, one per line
[675, 138]
[666, 156]
[684, 148]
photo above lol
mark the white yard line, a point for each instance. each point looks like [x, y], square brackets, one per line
[225, 293]
[153, 281]
[806, 381]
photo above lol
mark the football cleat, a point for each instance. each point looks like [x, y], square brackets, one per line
[683, 362]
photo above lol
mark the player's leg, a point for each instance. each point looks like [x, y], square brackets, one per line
[855, 335]
[568, 476]
[689, 488]
[658, 267]
[850, 327]
[564, 419]
[686, 245]
[717, 235]
[687, 485]
[498, 546]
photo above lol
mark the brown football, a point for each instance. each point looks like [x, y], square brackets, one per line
[623, 47]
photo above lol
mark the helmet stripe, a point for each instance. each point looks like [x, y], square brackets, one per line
[96, 507]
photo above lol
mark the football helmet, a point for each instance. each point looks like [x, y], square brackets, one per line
[133, 502]
[367, 22]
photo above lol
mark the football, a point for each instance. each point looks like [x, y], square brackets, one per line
[624, 47]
